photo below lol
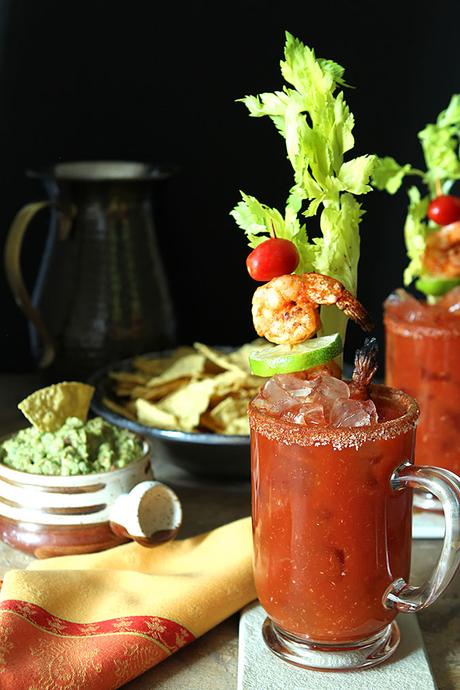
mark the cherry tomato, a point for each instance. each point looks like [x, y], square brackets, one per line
[272, 258]
[444, 209]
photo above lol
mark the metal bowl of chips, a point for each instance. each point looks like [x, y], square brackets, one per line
[200, 394]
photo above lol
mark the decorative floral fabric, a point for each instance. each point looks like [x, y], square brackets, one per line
[39, 651]
[96, 621]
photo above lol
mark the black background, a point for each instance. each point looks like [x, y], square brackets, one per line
[158, 81]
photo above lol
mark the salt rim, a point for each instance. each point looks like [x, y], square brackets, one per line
[416, 330]
[289, 433]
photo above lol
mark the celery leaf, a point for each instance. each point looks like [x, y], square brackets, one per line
[440, 143]
[389, 175]
[312, 116]
[415, 233]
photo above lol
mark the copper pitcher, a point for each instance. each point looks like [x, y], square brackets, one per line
[101, 292]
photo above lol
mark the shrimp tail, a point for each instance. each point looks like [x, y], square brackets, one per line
[355, 310]
[365, 367]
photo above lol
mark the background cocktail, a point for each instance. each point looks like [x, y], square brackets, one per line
[423, 359]
[423, 336]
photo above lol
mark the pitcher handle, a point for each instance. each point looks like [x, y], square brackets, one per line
[445, 485]
[12, 258]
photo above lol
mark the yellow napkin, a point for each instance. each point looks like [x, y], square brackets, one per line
[101, 619]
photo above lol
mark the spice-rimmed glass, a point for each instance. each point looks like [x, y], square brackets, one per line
[332, 533]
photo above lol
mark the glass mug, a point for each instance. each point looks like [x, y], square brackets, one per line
[332, 524]
[423, 359]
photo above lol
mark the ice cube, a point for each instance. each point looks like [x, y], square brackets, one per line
[413, 309]
[353, 413]
[304, 392]
[312, 413]
[294, 385]
[397, 297]
[330, 388]
[451, 300]
[327, 389]
[272, 391]
[275, 397]
[292, 382]
[262, 404]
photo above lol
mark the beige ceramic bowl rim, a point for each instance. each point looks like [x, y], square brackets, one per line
[70, 480]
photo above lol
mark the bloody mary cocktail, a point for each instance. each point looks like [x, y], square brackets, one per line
[423, 337]
[423, 359]
[330, 535]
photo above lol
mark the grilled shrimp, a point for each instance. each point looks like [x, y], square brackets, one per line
[286, 309]
[365, 366]
[442, 252]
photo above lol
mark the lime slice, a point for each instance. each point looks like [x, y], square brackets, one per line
[436, 286]
[282, 359]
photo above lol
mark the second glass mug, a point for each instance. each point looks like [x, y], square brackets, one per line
[332, 533]
[423, 359]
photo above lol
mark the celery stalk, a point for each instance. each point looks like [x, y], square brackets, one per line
[312, 116]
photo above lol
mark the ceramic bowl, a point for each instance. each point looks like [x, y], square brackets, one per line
[202, 454]
[52, 515]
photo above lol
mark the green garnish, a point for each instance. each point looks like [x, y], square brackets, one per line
[316, 123]
[440, 144]
[436, 287]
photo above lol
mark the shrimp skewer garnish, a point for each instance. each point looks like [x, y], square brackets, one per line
[286, 309]
[364, 370]
[442, 252]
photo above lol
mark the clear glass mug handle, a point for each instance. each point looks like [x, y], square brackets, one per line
[445, 486]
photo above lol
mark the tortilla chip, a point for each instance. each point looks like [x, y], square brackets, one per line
[129, 377]
[239, 427]
[187, 386]
[254, 383]
[131, 407]
[123, 392]
[119, 409]
[156, 365]
[48, 408]
[228, 410]
[228, 382]
[248, 394]
[188, 403]
[160, 391]
[216, 357]
[240, 357]
[151, 367]
[151, 415]
[185, 367]
[210, 424]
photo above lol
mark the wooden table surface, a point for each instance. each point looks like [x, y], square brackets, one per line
[210, 663]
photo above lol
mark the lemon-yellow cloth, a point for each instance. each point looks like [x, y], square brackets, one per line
[99, 620]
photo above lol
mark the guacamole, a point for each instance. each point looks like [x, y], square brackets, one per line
[76, 448]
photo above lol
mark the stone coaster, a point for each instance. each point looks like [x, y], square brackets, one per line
[427, 525]
[260, 669]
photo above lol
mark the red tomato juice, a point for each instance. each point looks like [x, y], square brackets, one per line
[423, 359]
[330, 535]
